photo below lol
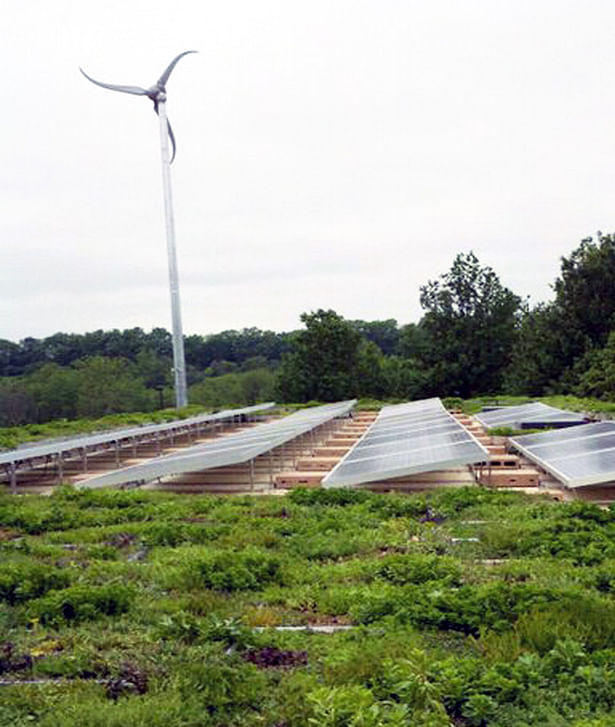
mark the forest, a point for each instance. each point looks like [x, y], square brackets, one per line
[475, 337]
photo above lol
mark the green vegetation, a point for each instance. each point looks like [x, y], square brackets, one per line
[13, 436]
[584, 405]
[468, 608]
[475, 338]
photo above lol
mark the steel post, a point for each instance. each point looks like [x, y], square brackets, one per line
[179, 365]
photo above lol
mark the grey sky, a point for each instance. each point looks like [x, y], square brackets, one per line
[331, 153]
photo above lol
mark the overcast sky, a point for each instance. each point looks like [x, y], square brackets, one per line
[331, 154]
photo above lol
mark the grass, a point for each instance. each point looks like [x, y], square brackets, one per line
[144, 605]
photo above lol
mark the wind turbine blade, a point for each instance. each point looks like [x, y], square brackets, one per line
[170, 130]
[135, 90]
[172, 137]
[162, 81]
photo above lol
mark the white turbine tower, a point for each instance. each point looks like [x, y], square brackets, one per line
[158, 94]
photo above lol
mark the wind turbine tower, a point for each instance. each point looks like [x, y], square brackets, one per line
[158, 94]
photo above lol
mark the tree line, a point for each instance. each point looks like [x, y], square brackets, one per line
[475, 337]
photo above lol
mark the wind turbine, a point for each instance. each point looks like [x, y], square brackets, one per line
[158, 94]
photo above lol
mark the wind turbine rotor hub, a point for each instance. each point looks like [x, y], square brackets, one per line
[157, 93]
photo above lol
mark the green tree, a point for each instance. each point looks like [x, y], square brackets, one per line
[470, 319]
[254, 362]
[17, 406]
[218, 391]
[560, 341]
[536, 364]
[54, 390]
[413, 341]
[596, 372]
[323, 363]
[370, 374]
[257, 385]
[404, 378]
[584, 293]
[10, 355]
[153, 370]
[385, 334]
[107, 386]
[584, 305]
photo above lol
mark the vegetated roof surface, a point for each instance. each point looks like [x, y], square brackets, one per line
[469, 607]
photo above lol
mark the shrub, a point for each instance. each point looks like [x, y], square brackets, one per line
[603, 579]
[173, 533]
[590, 621]
[249, 569]
[221, 688]
[339, 706]
[405, 569]
[467, 609]
[478, 709]
[81, 603]
[22, 581]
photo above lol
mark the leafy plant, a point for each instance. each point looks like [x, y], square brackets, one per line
[236, 571]
[22, 580]
[80, 603]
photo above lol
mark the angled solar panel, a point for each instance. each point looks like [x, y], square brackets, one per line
[70, 444]
[525, 415]
[231, 449]
[578, 457]
[420, 436]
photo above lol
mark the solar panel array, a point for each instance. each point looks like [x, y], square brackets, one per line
[419, 436]
[578, 457]
[524, 415]
[71, 444]
[224, 451]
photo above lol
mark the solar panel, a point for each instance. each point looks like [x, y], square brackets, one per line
[34, 451]
[526, 415]
[231, 449]
[578, 457]
[419, 436]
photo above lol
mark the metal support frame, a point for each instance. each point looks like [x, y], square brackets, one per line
[252, 475]
[271, 469]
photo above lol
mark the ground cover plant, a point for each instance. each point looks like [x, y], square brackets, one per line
[582, 404]
[468, 608]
